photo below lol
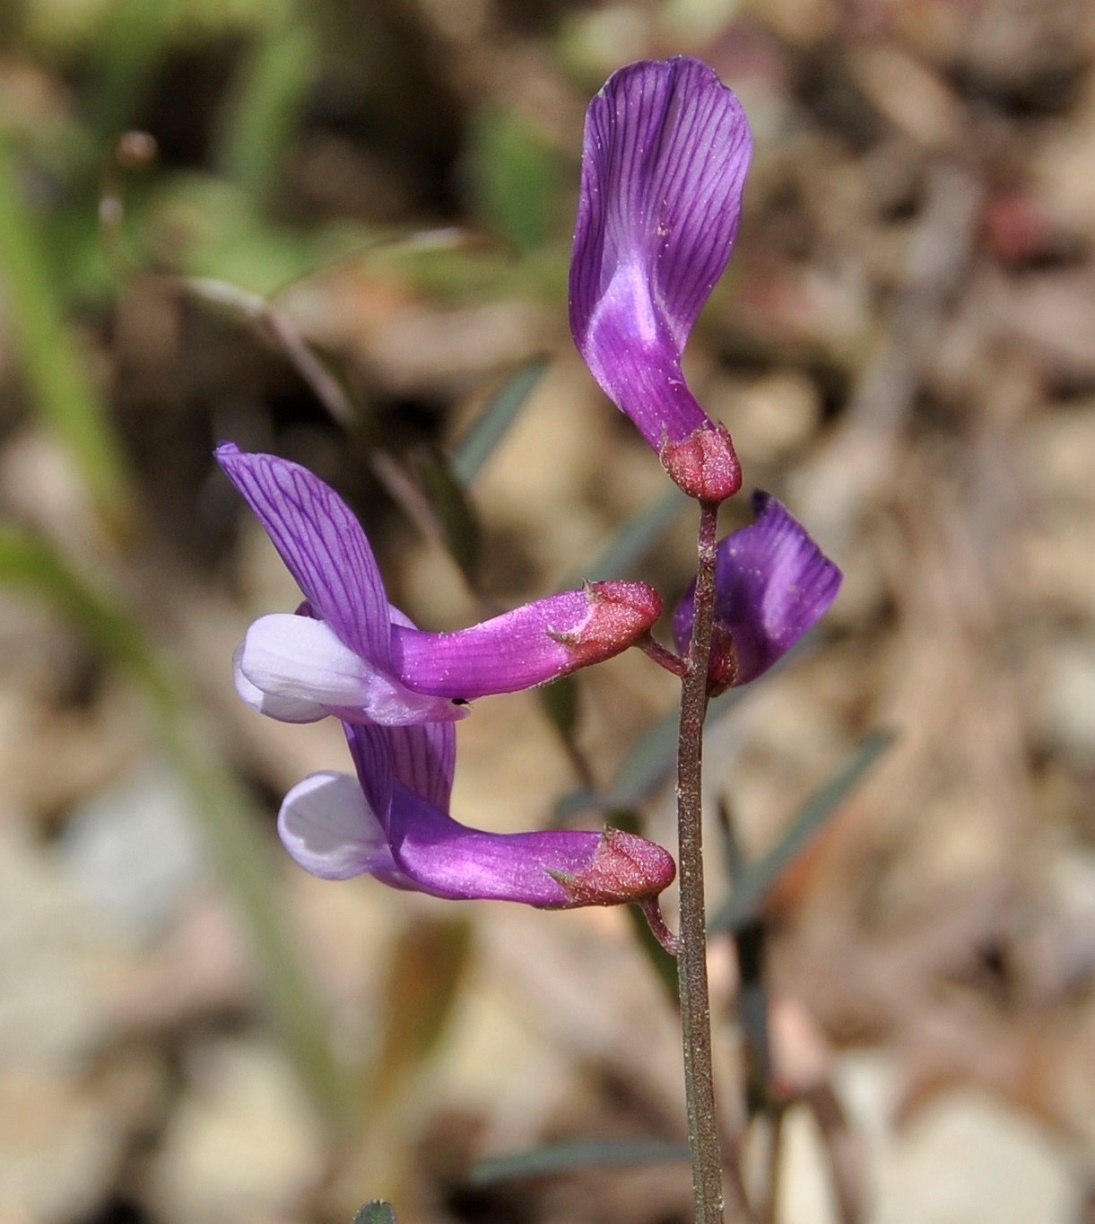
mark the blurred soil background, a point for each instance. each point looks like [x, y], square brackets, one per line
[336, 230]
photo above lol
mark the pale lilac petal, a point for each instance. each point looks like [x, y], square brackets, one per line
[666, 151]
[321, 543]
[772, 584]
[528, 646]
[555, 869]
[300, 665]
[284, 709]
[296, 658]
[329, 829]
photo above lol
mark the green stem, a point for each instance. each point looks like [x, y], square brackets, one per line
[62, 392]
[703, 1130]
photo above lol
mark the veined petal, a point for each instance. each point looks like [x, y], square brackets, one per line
[666, 151]
[424, 759]
[554, 869]
[528, 646]
[372, 757]
[321, 543]
[329, 829]
[772, 584]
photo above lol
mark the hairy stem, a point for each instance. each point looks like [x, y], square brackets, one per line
[703, 1131]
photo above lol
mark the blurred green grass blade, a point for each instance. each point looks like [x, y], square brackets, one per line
[490, 428]
[653, 757]
[745, 902]
[516, 178]
[428, 968]
[243, 856]
[576, 1156]
[559, 701]
[133, 37]
[453, 511]
[61, 389]
[265, 106]
[376, 1212]
[28, 563]
[634, 539]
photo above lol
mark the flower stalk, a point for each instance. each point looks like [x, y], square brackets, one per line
[703, 1130]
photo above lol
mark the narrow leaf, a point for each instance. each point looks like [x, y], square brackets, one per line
[573, 1157]
[62, 390]
[490, 428]
[265, 106]
[428, 968]
[634, 539]
[745, 902]
[651, 759]
[559, 701]
[234, 834]
[454, 513]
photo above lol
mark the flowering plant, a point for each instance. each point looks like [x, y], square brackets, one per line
[666, 151]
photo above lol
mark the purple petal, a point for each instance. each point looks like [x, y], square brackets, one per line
[528, 646]
[556, 869]
[322, 545]
[424, 759]
[329, 829]
[372, 757]
[664, 159]
[772, 584]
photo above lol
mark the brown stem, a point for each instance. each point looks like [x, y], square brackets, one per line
[703, 1129]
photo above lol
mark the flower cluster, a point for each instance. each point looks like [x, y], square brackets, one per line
[666, 151]
[397, 691]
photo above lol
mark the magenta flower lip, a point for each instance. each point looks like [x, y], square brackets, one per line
[664, 160]
[772, 584]
[355, 656]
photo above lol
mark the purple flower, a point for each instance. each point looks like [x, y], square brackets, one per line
[353, 655]
[666, 149]
[772, 584]
[392, 822]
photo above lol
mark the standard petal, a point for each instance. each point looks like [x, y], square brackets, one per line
[664, 160]
[555, 869]
[330, 830]
[528, 646]
[321, 543]
[772, 584]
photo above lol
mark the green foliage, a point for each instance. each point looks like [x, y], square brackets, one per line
[516, 179]
[572, 1157]
[62, 393]
[376, 1212]
[489, 429]
[747, 898]
[459, 526]
[264, 108]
